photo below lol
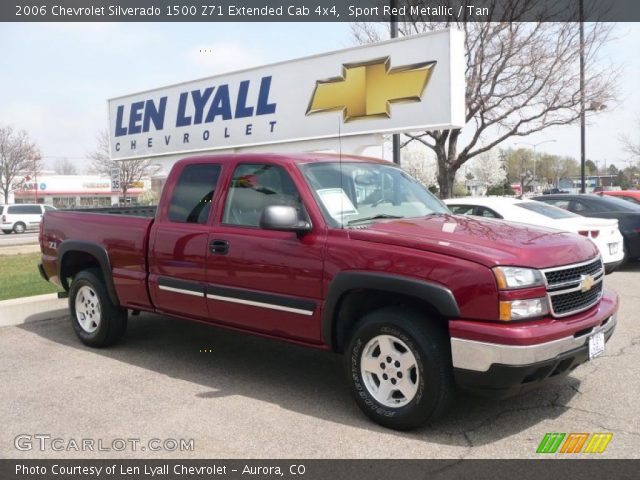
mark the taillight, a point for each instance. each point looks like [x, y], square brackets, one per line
[584, 233]
[589, 234]
[595, 233]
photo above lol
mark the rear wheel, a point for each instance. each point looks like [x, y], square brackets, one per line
[398, 364]
[97, 321]
[19, 227]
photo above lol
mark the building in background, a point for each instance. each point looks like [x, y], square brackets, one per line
[75, 191]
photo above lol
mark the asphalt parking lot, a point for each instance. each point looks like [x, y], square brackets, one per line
[254, 398]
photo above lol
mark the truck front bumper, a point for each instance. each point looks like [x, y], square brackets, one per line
[529, 356]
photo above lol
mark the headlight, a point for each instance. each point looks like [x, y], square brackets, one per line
[522, 309]
[516, 277]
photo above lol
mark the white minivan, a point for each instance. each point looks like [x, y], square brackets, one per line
[21, 217]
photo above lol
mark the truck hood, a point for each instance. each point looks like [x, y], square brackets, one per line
[486, 241]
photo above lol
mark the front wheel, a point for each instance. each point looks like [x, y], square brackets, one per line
[398, 364]
[97, 321]
[7, 232]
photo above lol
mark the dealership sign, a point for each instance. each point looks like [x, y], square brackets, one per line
[411, 83]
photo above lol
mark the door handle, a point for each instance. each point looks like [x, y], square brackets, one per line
[219, 247]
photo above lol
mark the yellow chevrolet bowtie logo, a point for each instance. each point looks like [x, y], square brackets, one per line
[586, 283]
[365, 90]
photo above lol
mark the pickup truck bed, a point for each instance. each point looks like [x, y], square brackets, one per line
[122, 232]
[138, 211]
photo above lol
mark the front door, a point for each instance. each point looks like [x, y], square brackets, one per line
[264, 280]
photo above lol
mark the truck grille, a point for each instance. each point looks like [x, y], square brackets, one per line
[574, 288]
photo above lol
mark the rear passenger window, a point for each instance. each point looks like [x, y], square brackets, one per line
[254, 187]
[578, 207]
[462, 209]
[24, 210]
[488, 213]
[193, 193]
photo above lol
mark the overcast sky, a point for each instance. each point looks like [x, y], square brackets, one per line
[56, 78]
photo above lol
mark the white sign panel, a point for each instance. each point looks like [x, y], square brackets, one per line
[411, 83]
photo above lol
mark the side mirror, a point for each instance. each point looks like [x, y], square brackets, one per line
[283, 218]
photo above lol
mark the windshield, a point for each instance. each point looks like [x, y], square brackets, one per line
[546, 210]
[356, 193]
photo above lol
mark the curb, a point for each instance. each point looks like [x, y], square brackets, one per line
[18, 311]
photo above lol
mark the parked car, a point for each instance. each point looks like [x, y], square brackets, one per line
[601, 189]
[590, 205]
[21, 217]
[632, 196]
[603, 232]
[344, 254]
[553, 191]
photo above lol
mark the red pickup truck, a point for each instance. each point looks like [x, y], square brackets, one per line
[346, 254]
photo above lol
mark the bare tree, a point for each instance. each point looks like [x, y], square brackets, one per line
[63, 166]
[521, 77]
[632, 146]
[19, 158]
[131, 171]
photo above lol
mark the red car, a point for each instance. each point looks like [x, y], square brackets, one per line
[345, 254]
[630, 195]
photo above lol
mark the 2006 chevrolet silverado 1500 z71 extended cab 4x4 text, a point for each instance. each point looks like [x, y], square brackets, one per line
[350, 255]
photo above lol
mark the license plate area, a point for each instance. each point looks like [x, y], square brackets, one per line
[613, 248]
[596, 345]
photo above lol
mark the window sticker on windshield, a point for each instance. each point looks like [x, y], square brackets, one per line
[337, 202]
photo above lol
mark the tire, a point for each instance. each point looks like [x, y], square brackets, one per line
[625, 256]
[424, 390]
[96, 320]
[19, 227]
[7, 232]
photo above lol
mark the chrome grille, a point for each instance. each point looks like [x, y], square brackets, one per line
[566, 291]
[560, 277]
[568, 303]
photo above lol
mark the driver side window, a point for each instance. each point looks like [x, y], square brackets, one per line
[254, 187]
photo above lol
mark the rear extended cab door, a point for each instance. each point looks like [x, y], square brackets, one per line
[179, 239]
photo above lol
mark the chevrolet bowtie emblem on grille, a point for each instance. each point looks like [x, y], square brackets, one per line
[365, 90]
[586, 283]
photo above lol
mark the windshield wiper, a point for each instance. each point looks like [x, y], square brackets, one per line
[374, 217]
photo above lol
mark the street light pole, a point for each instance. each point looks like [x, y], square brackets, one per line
[535, 146]
[395, 138]
[583, 187]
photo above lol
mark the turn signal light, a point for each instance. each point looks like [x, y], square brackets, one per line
[523, 309]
